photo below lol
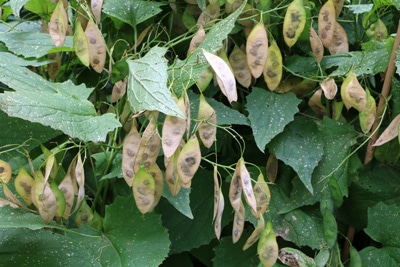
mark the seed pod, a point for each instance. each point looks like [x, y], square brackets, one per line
[84, 215]
[79, 175]
[173, 130]
[45, 198]
[188, 19]
[316, 45]
[204, 79]
[5, 202]
[355, 258]
[241, 70]
[337, 107]
[218, 218]
[329, 88]
[67, 188]
[326, 23]
[23, 185]
[189, 160]
[272, 168]
[187, 113]
[10, 196]
[238, 223]
[50, 162]
[130, 149]
[262, 195]
[294, 257]
[197, 39]
[267, 248]
[330, 228]
[208, 119]
[5, 171]
[235, 188]
[97, 47]
[273, 67]
[96, 6]
[339, 43]
[119, 90]
[391, 132]
[58, 24]
[380, 32]
[209, 15]
[315, 104]
[338, 6]
[171, 174]
[60, 199]
[144, 187]
[294, 22]
[217, 190]
[353, 95]
[157, 175]
[245, 179]
[232, 5]
[336, 192]
[224, 75]
[81, 45]
[367, 115]
[296, 85]
[257, 50]
[255, 235]
[248, 15]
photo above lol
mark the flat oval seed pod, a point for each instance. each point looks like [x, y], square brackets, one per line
[96, 6]
[45, 199]
[336, 192]
[273, 67]
[367, 115]
[294, 257]
[329, 88]
[235, 188]
[5, 171]
[352, 93]
[173, 130]
[262, 195]
[255, 235]
[197, 39]
[23, 185]
[247, 187]
[58, 24]
[81, 45]
[241, 70]
[84, 215]
[294, 22]
[97, 47]
[339, 43]
[130, 148]
[316, 45]
[380, 32]
[224, 74]
[338, 6]
[326, 23]
[80, 180]
[210, 14]
[155, 171]
[267, 248]
[189, 160]
[188, 116]
[238, 223]
[67, 188]
[218, 218]
[217, 190]
[119, 90]
[205, 79]
[272, 168]
[316, 105]
[60, 199]
[171, 175]
[208, 119]
[391, 132]
[257, 49]
[144, 190]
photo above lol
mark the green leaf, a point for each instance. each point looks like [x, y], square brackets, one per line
[42, 8]
[383, 224]
[181, 202]
[132, 12]
[33, 44]
[387, 256]
[269, 113]
[185, 73]
[62, 106]
[139, 240]
[147, 84]
[16, 6]
[301, 147]
[360, 8]
[8, 57]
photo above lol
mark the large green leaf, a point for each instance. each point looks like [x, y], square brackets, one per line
[132, 12]
[8, 57]
[181, 202]
[16, 6]
[43, 8]
[184, 73]
[301, 147]
[62, 106]
[269, 113]
[373, 257]
[147, 84]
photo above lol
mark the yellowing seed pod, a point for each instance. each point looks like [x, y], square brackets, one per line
[97, 47]
[156, 173]
[329, 88]
[84, 215]
[144, 190]
[255, 235]
[45, 198]
[81, 45]
[23, 185]
[245, 179]
[189, 160]
[119, 90]
[316, 45]
[353, 95]
[296, 85]
[130, 148]
[67, 188]
[171, 175]
[205, 79]
[338, 6]
[79, 175]
[241, 70]
[262, 195]
[235, 188]
[188, 116]
[367, 115]
[339, 43]
[208, 119]
[391, 132]
[95, 6]
[337, 107]
[58, 24]
[294, 257]
[197, 39]
[257, 50]
[238, 223]
[326, 23]
[273, 67]
[60, 199]
[267, 248]
[218, 218]
[54, 67]
[272, 168]
[294, 22]
[5, 171]
[315, 104]
[380, 32]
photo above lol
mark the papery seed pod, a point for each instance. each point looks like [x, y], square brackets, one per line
[218, 218]
[217, 190]
[238, 223]
[316, 105]
[58, 24]
[391, 132]
[235, 188]
[267, 248]
[208, 119]
[173, 130]
[262, 195]
[23, 185]
[79, 175]
[96, 6]
[189, 160]
[326, 23]
[241, 70]
[329, 88]
[338, 4]
[97, 47]
[171, 174]
[156, 173]
[197, 39]
[130, 149]
[257, 50]
[84, 215]
[209, 15]
[339, 43]
[294, 22]
[337, 107]
[245, 179]
[232, 5]
[5, 202]
[380, 31]
[255, 235]
[316, 45]
[60, 199]
[81, 45]
[119, 90]
[187, 113]
[5, 171]
[50, 162]
[11, 197]
[273, 67]
[294, 257]
[367, 115]
[353, 95]
[205, 79]
[45, 198]
[143, 187]
[67, 188]
[224, 75]
[272, 168]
